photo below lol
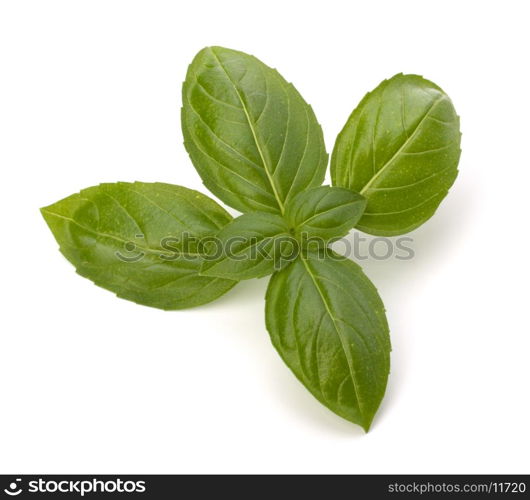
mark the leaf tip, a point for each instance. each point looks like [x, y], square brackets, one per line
[46, 213]
[366, 425]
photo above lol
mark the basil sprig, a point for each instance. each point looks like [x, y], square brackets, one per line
[258, 147]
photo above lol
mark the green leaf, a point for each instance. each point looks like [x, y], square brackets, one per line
[253, 139]
[328, 324]
[251, 246]
[324, 212]
[400, 149]
[139, 240]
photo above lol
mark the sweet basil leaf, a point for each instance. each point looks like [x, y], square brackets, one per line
[400, 149]
[253, 139]
[324, 212]
[328, 324]
[251, 246]
[257, 145]
[139, 240]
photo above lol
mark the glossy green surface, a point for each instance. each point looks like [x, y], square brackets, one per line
[325, 212]
[117, 236]
[253, 139]
[400, 149]
[249, 247]
[328, 324]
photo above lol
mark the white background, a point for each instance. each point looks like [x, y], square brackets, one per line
[90, 92]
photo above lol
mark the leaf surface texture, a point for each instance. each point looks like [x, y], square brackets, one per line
[328, 324]
[130, 238]
[400, 149]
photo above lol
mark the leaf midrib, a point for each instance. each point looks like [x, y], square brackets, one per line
[114, 237]
[324, 212]
[402, 147]
[343, 341]
[254, 133]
